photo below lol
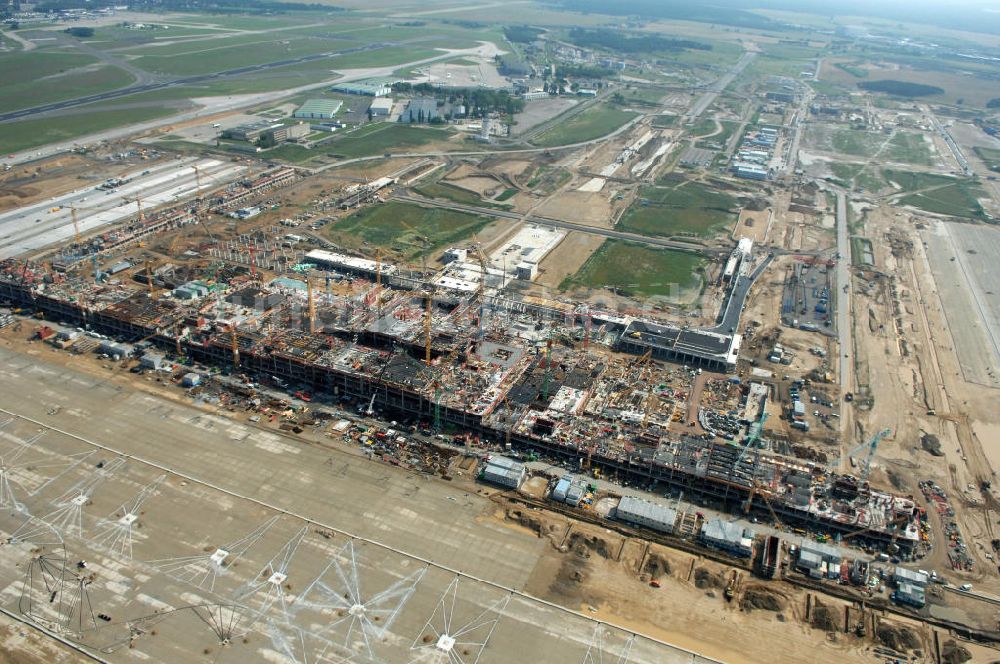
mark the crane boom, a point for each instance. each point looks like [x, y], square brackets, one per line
[872, 447]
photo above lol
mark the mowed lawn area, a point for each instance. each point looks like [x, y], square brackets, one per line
[596, 121]
[32, 79]
[381, 137]
[688, 208]
[402, 227]
[637, 270]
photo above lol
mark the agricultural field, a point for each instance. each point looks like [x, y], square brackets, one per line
[688, 208]
[594, 122]
[401, 227]
[639, 271]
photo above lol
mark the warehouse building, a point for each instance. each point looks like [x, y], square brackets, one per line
[250, 132]
[318, 109]
[380, 107]
[647, 514]
[902, 575]
[366, 88]
[911, 594]
[569, 490]
[504, 472]
[749, 171]
[728, 536]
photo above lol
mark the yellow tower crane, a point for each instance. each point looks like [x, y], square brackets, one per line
[76, 225]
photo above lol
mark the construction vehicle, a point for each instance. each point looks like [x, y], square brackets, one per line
[730, 591]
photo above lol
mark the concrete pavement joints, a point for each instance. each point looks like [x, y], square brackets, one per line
[173, 412]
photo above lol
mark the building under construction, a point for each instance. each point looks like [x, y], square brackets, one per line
[524, 374]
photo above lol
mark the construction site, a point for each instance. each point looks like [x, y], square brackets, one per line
[521, 398]
[453, 350]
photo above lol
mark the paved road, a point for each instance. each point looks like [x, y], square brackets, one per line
[187, 80]
[232, 103]
[729, 317]
[557, 223]
[717, 87]
[846, 345]
[47, 222]
[473, 153]
[952, 145]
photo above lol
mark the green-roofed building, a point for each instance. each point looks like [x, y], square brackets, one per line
[318, 109]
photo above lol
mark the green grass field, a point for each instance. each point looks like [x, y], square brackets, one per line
[990, 157]
[957, 200]
[857, 143]
[382, 137]
[596, 121]
[637, 270]
[939, 193]
[664, 121]
[401, 227]
[206, 57]
[909, 148]
[869, 178]
[703, 127]
[643, 96]
[70, 84]
[24, 134]
[448, 192]
[689, 208]
[722, 138]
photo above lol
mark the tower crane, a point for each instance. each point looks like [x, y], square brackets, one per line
[312, 306]
[428, 326]
[753, 435]
[76, 225]
[138, 205]
[872, 447]
[481, 289]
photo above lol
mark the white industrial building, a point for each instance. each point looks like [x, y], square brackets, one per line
[647, 514]
[728, 536]
[902, 575]
[504, 472]
[351, 264]
[318, 109]
[380, 107]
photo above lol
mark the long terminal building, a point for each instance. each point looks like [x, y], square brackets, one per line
[530, 375]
